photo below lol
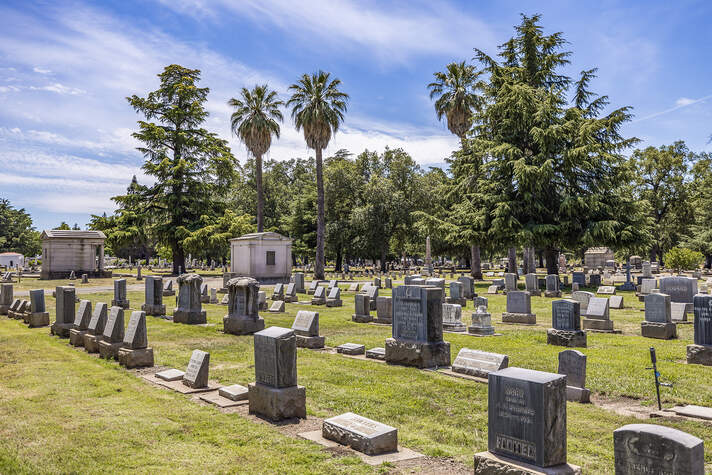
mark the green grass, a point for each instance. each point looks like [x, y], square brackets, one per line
[62, 410]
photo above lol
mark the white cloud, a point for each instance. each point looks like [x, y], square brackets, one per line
[684, 101]
[39, 70]
[679, 104]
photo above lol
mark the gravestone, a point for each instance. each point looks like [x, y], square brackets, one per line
[353, 287]
[481, 322]
[519, 308]
[376, 282]
[168, 288]
[196, 375]
[113, 337]
[575, 287]
[384, 310]
[479, 302]
[510, 282]
[616, 301]
[313, 285]
[351, 349]
[700, 352]
[306, 329]
[332, 284]
[372, 293]
[6, 291]
[417, 332]
[579, 278]
[262, 298]
[526, 422]
[243, 307]
[468, 285]
[361, 434]
[334, 297]
[606, 290]
[120, 297]
[492, 289]
[275, 394]
[362, 313]
[135, 352]
[658, 322]
[457, 294]
[678, 312]
[319, 296]
[452, 318]
[64, 315]
[95, 330]
[598, 315]
[81, 323]
[190, 308]
[291, 293]
[204, 297]
[594, 280]
[653, 449]
[572, 363]
[532, 284]
[582, 297]
[377, 353]
[39, 316]
[647, 286]
[566, 323]
[298, 280]
[478, 363]
[680, 289]
[647, 269]
[154, 296]
[277, 306]
[278, 292]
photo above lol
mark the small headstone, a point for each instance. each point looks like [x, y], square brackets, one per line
[378, 353]
[353, 287]
[647, 286]
[277, 306]
[170, 375]
[278, 292]
[479, 302]
[579, 278]
[235, 392]
[114, 328]
[362, 309]
[606, 290]
[572, 363]
[334, 297]
[319, 296]
[654, 449]
[452, 318]
[492, 289]
[384, 310]
[136, 337]
[83, 316]
[510, 282]
[658, 321]
[196, 375]
[616, 301]
[518, 308]
[582, 297]
[700, 352]
[361, 434]
[351, 349]
[678, 312]
[532, 284]
[478, 363]
[85, 279]
[566, 323]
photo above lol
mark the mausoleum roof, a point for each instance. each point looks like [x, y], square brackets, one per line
[266, 236]
[71, 234]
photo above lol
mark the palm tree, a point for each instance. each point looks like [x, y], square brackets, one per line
[255, 122]
[318, 109]
[457, 99]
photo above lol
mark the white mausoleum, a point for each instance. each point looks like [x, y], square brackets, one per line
[64, 251]
[266, 257]
[11, 259]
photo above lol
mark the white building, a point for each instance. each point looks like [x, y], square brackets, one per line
[64, 251]
[11, 259]
[266, 257]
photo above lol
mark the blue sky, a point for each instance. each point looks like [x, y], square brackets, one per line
[66, 68]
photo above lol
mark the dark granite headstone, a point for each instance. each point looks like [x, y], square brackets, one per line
[657, 450]
[566, 315]
[680, 289]
[572, 363]
[276, 357]
[702, 306]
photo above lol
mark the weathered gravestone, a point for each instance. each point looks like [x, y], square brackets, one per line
[468, 285]
[700, 352]
[492, 289]
[64, 318]
[510, 282]
[572, 363]
[377, 353]
[598, 315]
[519, 308]
[95, 330]
[452, 318]
[680, 289]
[306, 329]
[362, 313]
[417, 328]
[298, 280]
[135, 352]
[190, 308]
[566, 323]
[478, 363]
[479, 302]
[113, 337]
[582, 297]
[376, 282]
[39, 316]
[277, 306]
[532, 284]
[313, 285]
[579, 278]
[278, 292]
[526, 422]
[120, 297]
[334, 297]
[657, 450]
[319, 296]
[242, 310]
[606, 290]
[678, 312]
[154, 296]
[168, 288]
[481, 322]
[616, 301]
[262, 298]
[575, 287]
[372, 293]
[204, 297]
[291, 293]
[457, 294]
[594, 280]
[361, 434]
[196, 375]
[658, 322]
[275, 394]
[384, 310]
[81, 323]
[6, 291]
[353, 287]
[647, 286]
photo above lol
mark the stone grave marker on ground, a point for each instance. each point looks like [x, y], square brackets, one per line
[6, 291]
[39, 316]
[384, 310]
[362, 313]
[678, 312]
[353, 287]
[598, 315]
[377, 353]
[154, 296]
[351, 349]
[361, 434]
[81, 323]
[606, 290]
[277, 306]
[291, 293]
[700, 352]
[372, 293]
[196, 375]
[572, 363]
[481, 322]
[278, 292]
[452, 318]
[113, 337]
[298, 280]
[190, 308]
[306, 329]
[135, 352]
[275, 394]
[95, 330]
[243, 316]
[457, 294]
[417, 328]
[654, 449]
[468, 284]
[566, 323]
[120, 297]
[492, 289]
[510, 282]
[532, 284]
[334, 297]
[64, 318]
[658, 322]
[313, 285]
[616, 301]
[214, 298]
[519, 308]
[478, 363]
[680, 289]
[319, 296]
[204, 297]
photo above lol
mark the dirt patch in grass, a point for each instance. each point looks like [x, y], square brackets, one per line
[624, 406]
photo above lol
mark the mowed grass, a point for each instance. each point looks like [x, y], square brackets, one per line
[63, 410]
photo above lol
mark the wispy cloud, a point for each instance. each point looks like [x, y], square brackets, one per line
[679, 104]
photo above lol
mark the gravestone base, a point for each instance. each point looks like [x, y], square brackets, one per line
[483, 331]
[626, 286]
[524, 318]
[420, 355]
[76, 337]
[91, 343]
[169, 293]
[535, 293]
[699, 354]
[567, 338]
[191, 318]
[383, 321]
[109, 350]
[243, 326]
[661, 331]
[487, 463]
[552, 294]
[460, 302]
[61, 329]
[4, 309]
[205, 299]
[334, 303]
[277, 404]
[142, 358]
[311, 342]
[154, 310]
[454, 327]
[598, 324]
[39, 319]
[125, 304]
[578, 394]
[290, 299]
[361, 318]
[315, 301]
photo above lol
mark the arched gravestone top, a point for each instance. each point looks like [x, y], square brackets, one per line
[657, 308]
[572, 363]
[680, 289]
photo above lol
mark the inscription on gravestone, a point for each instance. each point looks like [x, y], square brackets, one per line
[196, 375]
[276, 357]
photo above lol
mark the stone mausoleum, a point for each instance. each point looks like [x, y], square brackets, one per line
[266, 257]
[64, 251]
[596, 257]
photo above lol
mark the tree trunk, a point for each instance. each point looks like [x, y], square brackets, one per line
[525, 260]
[383, 258]
[339, 259]
[476, 262]
[512, 264]
[319, 264]
[178, 258]
[552, 261]
[260, 194]
[541, 259]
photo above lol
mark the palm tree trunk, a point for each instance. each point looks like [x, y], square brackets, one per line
[260, 194]
[476, 262]
[319, 264]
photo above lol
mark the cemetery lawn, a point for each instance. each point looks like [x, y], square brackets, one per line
[62, 410]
